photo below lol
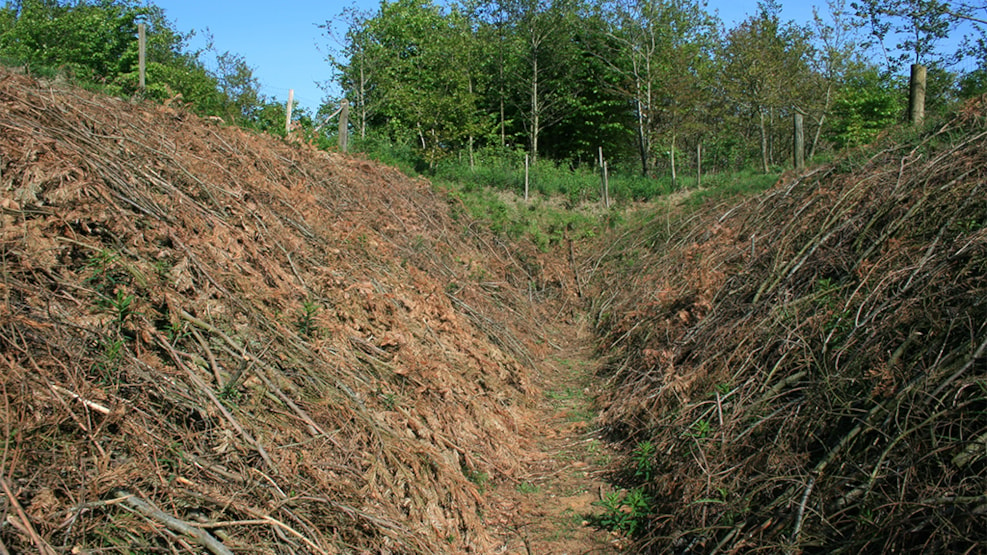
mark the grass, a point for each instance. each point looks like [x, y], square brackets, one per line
[721, 187]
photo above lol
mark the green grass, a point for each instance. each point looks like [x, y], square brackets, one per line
[725, 186]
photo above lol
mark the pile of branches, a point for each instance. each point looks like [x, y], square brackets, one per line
[809, 368]
[212, 339]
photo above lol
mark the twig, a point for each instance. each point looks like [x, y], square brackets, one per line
[90, 404]
[41, 544]
[801, 513]
[229, 417]
[204, 538]
[210, 356]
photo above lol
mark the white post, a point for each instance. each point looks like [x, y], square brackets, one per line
[287, 119]
[526, 177]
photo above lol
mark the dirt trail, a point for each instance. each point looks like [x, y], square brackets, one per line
[547, 510]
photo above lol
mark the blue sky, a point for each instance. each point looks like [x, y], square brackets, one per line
[287, 49]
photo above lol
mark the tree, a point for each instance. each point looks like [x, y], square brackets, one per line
[765, 68]
[917, 26]
[88, 39]
[660, 49]
[838, 58]
[866, 104]
[411, 67]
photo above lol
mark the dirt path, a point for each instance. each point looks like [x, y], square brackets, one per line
[548, 510]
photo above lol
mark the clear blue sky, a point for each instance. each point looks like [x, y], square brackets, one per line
[287, 49]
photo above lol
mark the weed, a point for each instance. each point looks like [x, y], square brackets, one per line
[306, 320]
[478, 478]
[389, 400]
[122, 305]
[105, 365]
[527, 487]
[643, 458]
[176, 331]
[700, 429]
[627, 514]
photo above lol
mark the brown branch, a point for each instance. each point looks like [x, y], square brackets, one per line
[204, 538]
[43, 547]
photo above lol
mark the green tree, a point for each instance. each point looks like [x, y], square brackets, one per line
[88, 39]
[865, 105]
[411, 66]
[916, 26]
[766, 65]
[661, 51]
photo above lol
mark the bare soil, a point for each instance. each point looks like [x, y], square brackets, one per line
[549, 507]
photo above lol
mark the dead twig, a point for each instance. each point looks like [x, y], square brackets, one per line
[205, 539]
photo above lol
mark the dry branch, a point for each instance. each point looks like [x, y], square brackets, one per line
[195, 532]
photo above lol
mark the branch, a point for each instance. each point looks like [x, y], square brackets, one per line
[204, 538]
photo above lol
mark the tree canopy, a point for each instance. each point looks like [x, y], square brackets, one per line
[654, 82]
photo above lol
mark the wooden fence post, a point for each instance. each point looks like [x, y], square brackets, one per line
[142, 54]
[526, 165]
[344, 129]
[604, 185]
[287, 117]
[798, 147]
[916, 94]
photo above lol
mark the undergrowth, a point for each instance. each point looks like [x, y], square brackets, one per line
[808, 362]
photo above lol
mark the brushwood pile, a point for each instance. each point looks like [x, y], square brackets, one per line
[212, 339]
[806, 371]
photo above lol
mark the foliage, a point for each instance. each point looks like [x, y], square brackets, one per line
[863, 108]
[916, 25]
[625, 513]
[94, 42]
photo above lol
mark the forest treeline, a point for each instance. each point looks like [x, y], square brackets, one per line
[656, 83]
[662, 86]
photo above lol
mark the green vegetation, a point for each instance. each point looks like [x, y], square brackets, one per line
[94, 43]
[306, 319]
[479, 478]
[468, 88]
[627, 513]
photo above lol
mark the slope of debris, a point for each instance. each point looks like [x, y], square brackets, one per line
[213, 339]
[807, 371]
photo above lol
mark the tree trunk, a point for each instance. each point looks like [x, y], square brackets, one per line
[640, 139]
[798, 145]
[363, 102]
[699, 163]
[764, 143]
[916, 96]
[472, 163]
[820, 122]
[534, 108]
[672, 159]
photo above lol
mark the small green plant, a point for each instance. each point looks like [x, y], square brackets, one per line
[527, 487]
[122, 306]
[390, 400]
[306, 320]
[700, 428]
[627, 514]
[176, 331]
[230, 393]
[478, 478]
[643, 459]
[105, 365]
